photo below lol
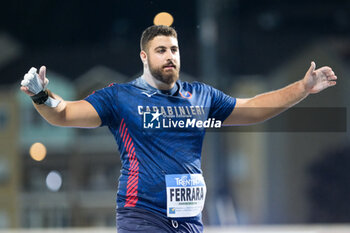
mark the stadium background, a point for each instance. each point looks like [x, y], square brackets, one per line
[242, 47]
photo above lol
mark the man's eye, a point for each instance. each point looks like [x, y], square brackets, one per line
[161, 51]
[174, 50]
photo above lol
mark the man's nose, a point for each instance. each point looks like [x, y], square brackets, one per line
[170, 55]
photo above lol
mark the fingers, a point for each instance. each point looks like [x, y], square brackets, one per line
[329, 84]
[46, 82]
[332, 83]
[32, 71]
[33, 82]
[328, 73]
[26, 79]
[313, 65]
[324, 85]
[42, 74]
[326, 70]
[26, 90]
[332, 78]
[312, 68]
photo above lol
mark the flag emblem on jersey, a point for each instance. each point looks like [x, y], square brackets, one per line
[171, 210]
[151, 120]
[186, 95]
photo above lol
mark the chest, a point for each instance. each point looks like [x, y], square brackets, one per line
[151, 110]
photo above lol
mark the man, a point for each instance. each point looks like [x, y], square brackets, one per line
[154, 120]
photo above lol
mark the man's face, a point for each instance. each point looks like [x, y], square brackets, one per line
[163, 58]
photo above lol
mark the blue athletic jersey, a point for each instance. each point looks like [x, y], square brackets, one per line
[149, 153]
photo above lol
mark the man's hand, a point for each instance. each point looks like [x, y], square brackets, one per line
[30, 86]
[318, 80]
[34, 85]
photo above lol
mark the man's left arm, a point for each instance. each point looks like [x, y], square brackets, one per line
[267, 105]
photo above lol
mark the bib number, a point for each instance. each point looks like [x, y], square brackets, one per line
[185, 195]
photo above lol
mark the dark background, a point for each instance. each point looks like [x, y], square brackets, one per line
[253, 36]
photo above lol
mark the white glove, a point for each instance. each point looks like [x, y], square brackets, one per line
[35, 85]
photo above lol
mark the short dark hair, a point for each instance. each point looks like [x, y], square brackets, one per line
[153, 31]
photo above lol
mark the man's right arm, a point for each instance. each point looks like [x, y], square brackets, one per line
[68, 113]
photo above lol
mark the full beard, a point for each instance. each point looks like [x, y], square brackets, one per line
[167, 77]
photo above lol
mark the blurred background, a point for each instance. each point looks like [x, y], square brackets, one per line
[54, 177]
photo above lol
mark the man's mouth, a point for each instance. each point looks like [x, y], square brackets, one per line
[169, 66]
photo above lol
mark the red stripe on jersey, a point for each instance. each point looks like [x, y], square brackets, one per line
[133, 183]
[134, 163]
[133, 175]
[125, 133]
[121, 123]
[130, 146]
[128, 143]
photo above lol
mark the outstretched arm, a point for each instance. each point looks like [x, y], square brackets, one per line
[67, 113]
[265, 106]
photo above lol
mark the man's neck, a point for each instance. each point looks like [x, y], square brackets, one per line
[156, 83]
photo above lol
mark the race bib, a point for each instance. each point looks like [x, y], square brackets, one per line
[185, 195]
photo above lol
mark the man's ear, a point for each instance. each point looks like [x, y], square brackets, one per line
[143, 56]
